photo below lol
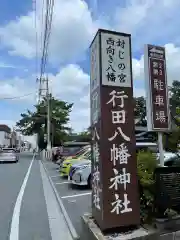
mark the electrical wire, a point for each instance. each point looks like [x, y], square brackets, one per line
[16, 97]
[47, 33]
[36, 35]
[51, 3]
[42, 26]
[44, 42]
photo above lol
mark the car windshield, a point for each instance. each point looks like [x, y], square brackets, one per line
[71, 150]
[87, 155]
[81, 152]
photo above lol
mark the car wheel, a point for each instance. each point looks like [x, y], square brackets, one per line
[90, 181]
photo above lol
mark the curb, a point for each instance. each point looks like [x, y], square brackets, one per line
[72, 230]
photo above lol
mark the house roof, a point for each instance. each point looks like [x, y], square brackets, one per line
[4, 128]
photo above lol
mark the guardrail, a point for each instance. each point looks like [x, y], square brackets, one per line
[46, 154]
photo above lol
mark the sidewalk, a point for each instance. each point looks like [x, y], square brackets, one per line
[65, 226]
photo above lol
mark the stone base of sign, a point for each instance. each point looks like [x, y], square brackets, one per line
[90, 231]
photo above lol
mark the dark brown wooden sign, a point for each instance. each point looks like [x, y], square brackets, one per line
[115, 197]
[158, 114]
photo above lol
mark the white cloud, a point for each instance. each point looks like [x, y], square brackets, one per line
[73, 26]
[70, 84]
[18, 89]
[72, 31]
[68, 81]
[4, 65]
[148, 21]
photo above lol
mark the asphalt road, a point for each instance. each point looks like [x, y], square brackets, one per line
[28, 209]
[76, 200]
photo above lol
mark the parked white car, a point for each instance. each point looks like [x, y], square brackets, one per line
[80, 174]
[170, 158]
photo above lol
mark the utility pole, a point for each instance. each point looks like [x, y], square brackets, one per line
[44, 92]
[48, 117]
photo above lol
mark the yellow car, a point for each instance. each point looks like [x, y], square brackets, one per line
[66, 165]
[83, 151]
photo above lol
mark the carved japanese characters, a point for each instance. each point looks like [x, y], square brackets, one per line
[114, 177]
[158, 115]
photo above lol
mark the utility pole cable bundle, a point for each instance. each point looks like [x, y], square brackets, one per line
[43, 81]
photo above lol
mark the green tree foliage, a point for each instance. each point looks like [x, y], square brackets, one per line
[140, 110]
[84, 136]
[175, 97]
[146, 164]
[36, 121]
[174, 91]
[172, 140]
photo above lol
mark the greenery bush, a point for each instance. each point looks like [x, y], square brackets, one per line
[146, 164]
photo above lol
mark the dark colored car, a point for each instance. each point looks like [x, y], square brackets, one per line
[71, 148]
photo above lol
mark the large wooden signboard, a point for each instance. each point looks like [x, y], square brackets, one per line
[115, 200]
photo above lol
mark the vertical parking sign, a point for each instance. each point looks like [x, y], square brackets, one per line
[158, 113]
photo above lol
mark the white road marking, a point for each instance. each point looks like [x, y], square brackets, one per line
[72, 201]
[76, 195]
[65, 214]
[57, 223]
[55, 176]
[14, 231]
[60, 183]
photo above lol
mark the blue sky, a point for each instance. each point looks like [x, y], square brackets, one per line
[74, 24]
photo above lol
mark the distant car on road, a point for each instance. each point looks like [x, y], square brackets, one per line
[8, 155]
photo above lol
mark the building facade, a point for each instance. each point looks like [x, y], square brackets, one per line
[13, 140]
[5, 135]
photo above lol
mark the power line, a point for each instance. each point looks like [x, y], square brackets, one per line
[42, 26]
[11, 98]
[44, 43]
[51, 7]
[47, 33]
[36, 34]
